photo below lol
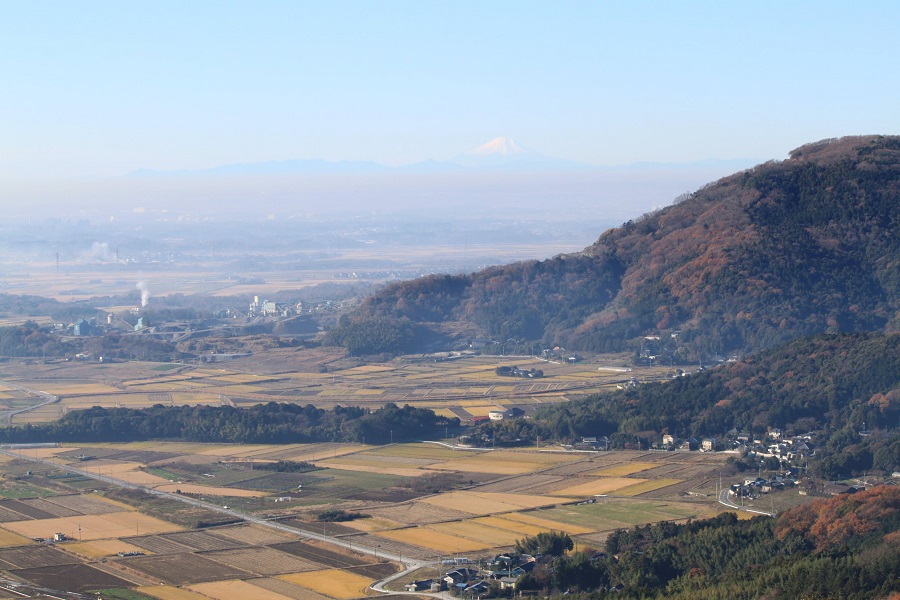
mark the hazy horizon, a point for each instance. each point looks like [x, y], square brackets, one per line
[688, 92]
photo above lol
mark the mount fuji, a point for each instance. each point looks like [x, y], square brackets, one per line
[507, 153]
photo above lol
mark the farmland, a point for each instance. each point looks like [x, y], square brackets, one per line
[466, 387]
[420, 500]
[431, 505]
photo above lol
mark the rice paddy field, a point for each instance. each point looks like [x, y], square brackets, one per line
[467, 386]
[420, 500]
[477, 502]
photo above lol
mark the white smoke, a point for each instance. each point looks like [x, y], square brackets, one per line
[145, 292]
[99, 252]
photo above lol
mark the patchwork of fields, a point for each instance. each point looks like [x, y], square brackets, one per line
[466, 387]
[420, 501]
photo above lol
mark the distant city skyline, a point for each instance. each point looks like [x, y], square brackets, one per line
[99, 89]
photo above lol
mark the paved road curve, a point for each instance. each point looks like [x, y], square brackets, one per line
[46, 398]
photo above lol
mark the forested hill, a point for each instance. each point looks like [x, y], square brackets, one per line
[842, 547]
[834, 384]
[803, 246]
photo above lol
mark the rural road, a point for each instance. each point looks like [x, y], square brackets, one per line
[46, 398]
[723, 500]
[409, 563]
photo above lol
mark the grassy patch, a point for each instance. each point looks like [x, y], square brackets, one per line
[167, 367]
[610, 515]
[22, 490]
[159, 472]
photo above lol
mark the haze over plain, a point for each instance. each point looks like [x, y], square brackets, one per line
[96, 91]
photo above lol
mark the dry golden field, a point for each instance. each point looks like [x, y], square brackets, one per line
[646, 486]
[331, 582]
[600, 485]
[478, 531]
[427, 537]
[209, 490]
[100, 548]
[92, 527]
[11, 539]
[167, 592]
[231, 590]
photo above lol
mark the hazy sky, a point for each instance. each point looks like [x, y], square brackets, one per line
[101, 88]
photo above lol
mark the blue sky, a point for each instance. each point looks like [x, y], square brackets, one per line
[102, 88]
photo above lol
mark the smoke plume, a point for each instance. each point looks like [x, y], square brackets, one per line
[145, 292]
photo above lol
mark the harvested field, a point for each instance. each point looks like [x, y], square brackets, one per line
[167, 592]
[72, 578]
[253, 534]
[98, 453]
[26, 509]
[43, 452]
[329, 528]
[388, 495]
[51, 508]
[647, 486]
[7, 514]
[373, 524]
[420, 451]
[287, 589]
[533, 518]
[374, 540]
[664, 470]
[201, 540]
[191, 488]
[378, 469]
[92, 527]
[71, 389]
[522, 483]
[181, 570]
[323, 556]
[229, 590]
[488, 503]
[434, 540]
[376, 571]
[623, 469]
[505, 463]
[377, 460]
[263, 561]
[601, 485]
[418, 513]
[144, 457]
[518, 527]
[332, 582]
[100, 548]
[86, 505]
[480, 532]
[27, 557]
[581, 467]
[157, 544]
[11, 539]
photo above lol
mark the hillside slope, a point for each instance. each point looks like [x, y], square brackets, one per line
[803, 246]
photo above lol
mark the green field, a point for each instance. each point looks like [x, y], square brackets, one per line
[611, 514]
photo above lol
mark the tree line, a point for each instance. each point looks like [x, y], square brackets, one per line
[270, 423]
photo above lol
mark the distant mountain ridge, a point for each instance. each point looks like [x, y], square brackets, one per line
[786, 249]
[501, 153]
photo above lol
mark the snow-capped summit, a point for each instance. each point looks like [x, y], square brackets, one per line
[502, 146]
[508, 154]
